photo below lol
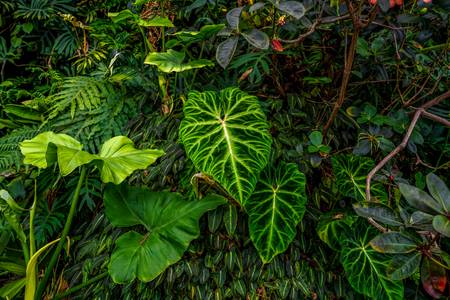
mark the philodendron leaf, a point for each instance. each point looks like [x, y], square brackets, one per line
[404, 265]
[292, 8]
[226, 136]
[118, 159]
[225, 51]
[351, 173]
[442, 225]
[171, 222]
[419, 199]
[275, 209]
[439, 190]
[393, 242]
[41, 151]
[366, 268]
[334, 227]
[257, 38]
[173, 61]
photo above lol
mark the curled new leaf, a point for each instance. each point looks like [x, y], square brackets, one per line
[226, 136]
[275, 209]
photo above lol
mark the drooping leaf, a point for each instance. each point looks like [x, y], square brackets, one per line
[171, 222]
[439, 190]
[226, 136]
[275, 209]
[233, 17]
[118, 159]
[442, 225]
[366, 269]
[393, 242]
[41, 151]
[333, 227]
[351, 173]
[434, 278]
[173, 61]
[404, 265]
[225, 51]
[292, 8]
[378, 212]
[420, 199]
[257, 38]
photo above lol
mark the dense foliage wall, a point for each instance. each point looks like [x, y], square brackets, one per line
[340, 105]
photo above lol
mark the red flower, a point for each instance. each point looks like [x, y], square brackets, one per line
[276, 45]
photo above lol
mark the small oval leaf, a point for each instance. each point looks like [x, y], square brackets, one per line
[257, 38]
[225, 51]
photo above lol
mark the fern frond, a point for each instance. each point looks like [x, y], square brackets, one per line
[82, 93]
[9, 146]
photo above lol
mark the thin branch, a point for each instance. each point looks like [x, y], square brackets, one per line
[311, 30]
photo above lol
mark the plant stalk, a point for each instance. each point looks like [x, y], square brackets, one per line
[65, 232]
[80, 286]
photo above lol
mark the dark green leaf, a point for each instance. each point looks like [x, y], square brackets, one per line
[442, 225]
[393, 242]
[419, 199]
[225, 51]
[439, 190]
[378, 212]
[257, 38]
[404, 266]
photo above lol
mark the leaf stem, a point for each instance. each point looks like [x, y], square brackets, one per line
[32, 214]
[54, 258]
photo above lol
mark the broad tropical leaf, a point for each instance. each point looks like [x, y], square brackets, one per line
[275, 209]
[206, 32]
[393, 242]
[226, 136]
[333, 227]
[351, 173]
[173, 61]
[171, 222]
[366, 268]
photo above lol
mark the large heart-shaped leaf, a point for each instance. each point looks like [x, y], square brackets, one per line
[173, 61]
[335, 226]
[366, 268]
[351, 173]
[226, 136]
[171, 222]
[275, 209]
[117, 158]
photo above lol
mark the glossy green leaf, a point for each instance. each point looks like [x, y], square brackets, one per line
[171, 222]
[155, 21]
[378, 212]
[404, 265]
[316, 138]
[420, 199]
[393, 242]
[275, 209]
[333, 227]
[439, 190]
[174, 61]
[442, 225]
[118, 159]
[351, 173]
[206, 32]
[41, 151]
[366, 269]
[225, 51]
[257, 38]
[226, 136]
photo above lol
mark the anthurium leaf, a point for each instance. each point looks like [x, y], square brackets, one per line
[366, 269]
[404, 265]
[41, 151]
[225, 51]
[434, 278]
[442, 225]
[171, 222]
[69, 159]
[156, 21]
[118, 159]
[419, 199]
[257, 38]
[275, 209]
[439, 190]
[351, 173]
[233, 17]
[292, 8]
[173, 61]
[378, 212]
[393, 242]
[226, 136]
[333, 227]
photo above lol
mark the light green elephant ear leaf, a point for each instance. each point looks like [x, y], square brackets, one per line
[275, 209]
[118, 159]
[226, 136]
[171, 222]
